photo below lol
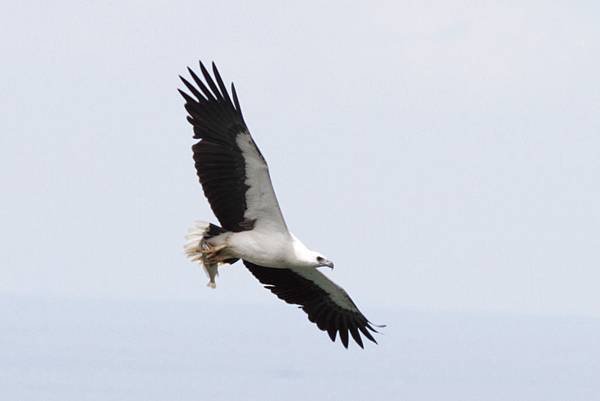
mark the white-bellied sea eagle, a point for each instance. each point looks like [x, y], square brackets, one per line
[235, 179]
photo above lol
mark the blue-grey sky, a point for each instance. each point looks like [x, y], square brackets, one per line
[444, 154]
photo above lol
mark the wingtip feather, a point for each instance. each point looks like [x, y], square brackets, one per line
[332, 333]
[367, 334]
[356, 336]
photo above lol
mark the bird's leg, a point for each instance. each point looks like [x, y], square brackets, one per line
[210, 253]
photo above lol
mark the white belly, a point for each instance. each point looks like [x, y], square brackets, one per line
[270, 250]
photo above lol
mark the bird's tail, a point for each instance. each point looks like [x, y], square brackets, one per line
[198, 249]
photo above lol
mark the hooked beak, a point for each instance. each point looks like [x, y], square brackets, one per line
[328, 263]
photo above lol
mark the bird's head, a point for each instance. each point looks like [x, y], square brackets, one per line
[309, 258]
[321, 260]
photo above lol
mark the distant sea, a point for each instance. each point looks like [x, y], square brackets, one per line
[74, 349]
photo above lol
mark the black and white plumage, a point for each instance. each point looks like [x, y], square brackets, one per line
[235, 179]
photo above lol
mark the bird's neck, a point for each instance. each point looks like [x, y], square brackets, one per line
[303, 255]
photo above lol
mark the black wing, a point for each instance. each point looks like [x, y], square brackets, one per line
[325, 303]
[231, 169]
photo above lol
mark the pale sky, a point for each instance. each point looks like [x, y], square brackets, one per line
[446, 155]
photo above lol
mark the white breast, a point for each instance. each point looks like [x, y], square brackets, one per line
[262, 248]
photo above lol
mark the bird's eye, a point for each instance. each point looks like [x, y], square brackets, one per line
[320, 259]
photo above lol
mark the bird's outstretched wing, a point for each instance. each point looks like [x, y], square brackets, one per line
[232, 171]
[325, 303]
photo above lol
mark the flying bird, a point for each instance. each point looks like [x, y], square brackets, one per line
[235, 179]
